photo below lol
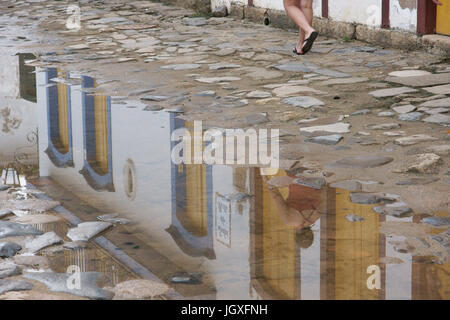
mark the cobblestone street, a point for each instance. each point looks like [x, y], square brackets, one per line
[370, 121]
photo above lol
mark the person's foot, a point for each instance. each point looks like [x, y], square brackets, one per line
[298, 51]
[309, 41]
[308, 33]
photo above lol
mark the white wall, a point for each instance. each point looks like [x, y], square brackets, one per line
[13, 108]
[366, 12]
[362, 11]
[269, 4]
[402, 18]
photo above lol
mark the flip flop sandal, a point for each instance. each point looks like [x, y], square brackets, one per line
[309, 42]
[298, 53]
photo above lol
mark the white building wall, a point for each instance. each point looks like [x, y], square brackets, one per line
[268, 4]
[402, 18]
[367, 12]
[17, 115]
[363, 11]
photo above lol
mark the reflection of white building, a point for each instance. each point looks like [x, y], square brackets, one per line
[17, 111]
[117, 159]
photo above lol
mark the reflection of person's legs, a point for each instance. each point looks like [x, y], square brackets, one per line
[300, 11]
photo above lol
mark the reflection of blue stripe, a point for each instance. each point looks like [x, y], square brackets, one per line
[99, 182]
[60, 160]
[189, 243]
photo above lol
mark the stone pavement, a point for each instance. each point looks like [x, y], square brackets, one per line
[343, 100]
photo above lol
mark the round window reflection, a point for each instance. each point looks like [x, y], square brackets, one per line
[129, 179]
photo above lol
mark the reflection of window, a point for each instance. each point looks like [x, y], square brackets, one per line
[97, 168]
[59, 120]
[27, 77]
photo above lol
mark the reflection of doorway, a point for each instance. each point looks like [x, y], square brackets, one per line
[192, 205]
[97, 169]
[443, 18]
[59, 116]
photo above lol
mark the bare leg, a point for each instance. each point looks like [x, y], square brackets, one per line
[306, 7]
[301, 13]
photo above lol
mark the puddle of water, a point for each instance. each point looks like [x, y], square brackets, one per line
[96, 155]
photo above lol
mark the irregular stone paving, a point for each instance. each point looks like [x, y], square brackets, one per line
[369, 119]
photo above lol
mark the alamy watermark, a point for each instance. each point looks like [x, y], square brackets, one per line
[374, 280]
[73, 22]
[226, 146]
[73, 282]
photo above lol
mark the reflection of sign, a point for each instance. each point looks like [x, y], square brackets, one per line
[223, 220]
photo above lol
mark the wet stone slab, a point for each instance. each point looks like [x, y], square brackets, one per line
[437, 221]
[14, 285]
[384, 93]
[60, 282]
[5, 212]
[437, 103]
[411, 116]
[87, 230]
[295, 66]
[8, 269]
[442, 119]
[398, 210]
[367, 198]
[11, 229]
[361, 162]
[339, 127]
[326, 140]
[421, 81]
[9, 249]
[303, 102]
[43, 241]
[414, 139]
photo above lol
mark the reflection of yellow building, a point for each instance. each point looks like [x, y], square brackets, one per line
[346, 249]
[430, 281]
[194, 217]
[280, 265]
[357, 247]
[195, 214]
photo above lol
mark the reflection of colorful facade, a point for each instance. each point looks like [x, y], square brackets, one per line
[97, 169]
[59, 121]
[176, 207]
[335, 267]
[192, 205]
